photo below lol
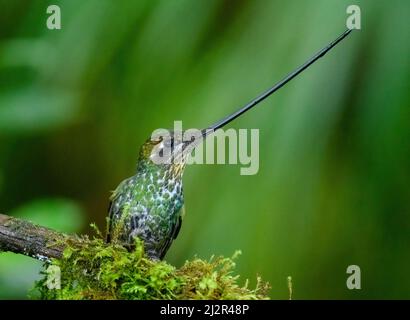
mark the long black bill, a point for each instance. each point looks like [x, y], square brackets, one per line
[277, 86]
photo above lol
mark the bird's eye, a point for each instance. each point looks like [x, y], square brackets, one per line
[168, 143]
[161, 150]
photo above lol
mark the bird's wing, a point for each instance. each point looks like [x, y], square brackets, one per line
[174, 234]
[178, 224]
[109, 222]
[115, 210]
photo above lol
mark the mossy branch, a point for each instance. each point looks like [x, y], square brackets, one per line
[24, 237]
[80, 268]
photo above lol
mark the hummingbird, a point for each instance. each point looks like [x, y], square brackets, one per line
[150, 204]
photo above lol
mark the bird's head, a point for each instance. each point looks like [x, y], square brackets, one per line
[169, 150]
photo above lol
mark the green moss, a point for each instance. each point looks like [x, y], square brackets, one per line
[95, 270]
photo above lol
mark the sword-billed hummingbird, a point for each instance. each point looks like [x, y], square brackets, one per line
[150, 204]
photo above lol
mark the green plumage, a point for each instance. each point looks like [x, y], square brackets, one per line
[148, 205]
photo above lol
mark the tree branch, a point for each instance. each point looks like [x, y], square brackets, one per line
[24, 237]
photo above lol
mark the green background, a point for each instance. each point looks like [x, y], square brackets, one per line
[333, 185]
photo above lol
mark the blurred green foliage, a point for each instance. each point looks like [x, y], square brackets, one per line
[333, 185]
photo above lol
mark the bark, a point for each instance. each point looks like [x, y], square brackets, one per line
[24, 237]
